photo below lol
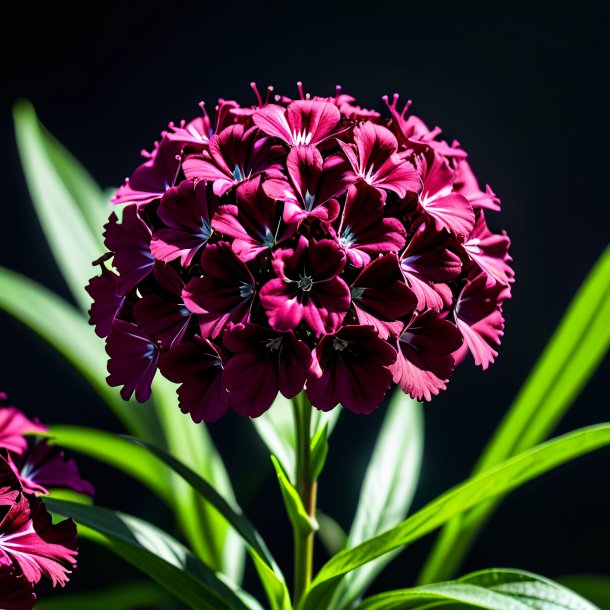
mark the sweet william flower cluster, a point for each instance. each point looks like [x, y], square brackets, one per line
[304, 243]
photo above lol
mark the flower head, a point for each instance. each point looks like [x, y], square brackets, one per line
[302, 244]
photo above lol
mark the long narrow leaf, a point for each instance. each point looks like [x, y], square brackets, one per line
[498, 480]
[269, 572]
[572, 355]
[388, 489]
[190, 443]
[154, 552]
[488, 589]
[63, 327]
[595, 587]
[118, 452]
[71, 239]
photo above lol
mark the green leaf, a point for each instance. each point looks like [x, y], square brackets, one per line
[331, 533]
[154, 552]
[269, 573]
[319, 451]
[594, 587]
[489, 589]
[569, 360]
[388, 489]
[498, 480]
[119, 453]
[63, 327]
[208, 532]
[292, 501]
[131, 596]
[57, 200]
[276, 429]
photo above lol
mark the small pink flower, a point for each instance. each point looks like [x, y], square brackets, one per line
[373, 157]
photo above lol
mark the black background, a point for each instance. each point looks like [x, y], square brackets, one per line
[524, 87]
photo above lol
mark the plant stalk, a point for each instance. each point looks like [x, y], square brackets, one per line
[307, 489]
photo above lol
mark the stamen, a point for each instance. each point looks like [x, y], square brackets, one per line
[274, 344]
[305, 283]
[258, 95]
[245, 290]
[300, 88]
[339, 344]
[357, 292]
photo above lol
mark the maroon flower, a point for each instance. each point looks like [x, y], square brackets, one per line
[363, 231]
[264, 361]
[197, 366]
[234, 155]
[373, 159]
[107, 301]
[314, 184]
[44, 467]
[308, 287]
[304, 122]
[130, 243]
[153, 177]
[30, 544]
[184, 211]
[478, 315]
[303, 227]
[351, 367]
[253, 223]
[447, 208]
[133, 360]
[490, 252]
[425, 360]
[224, 294]
[427, 263]
[162, 314]
[381, 297]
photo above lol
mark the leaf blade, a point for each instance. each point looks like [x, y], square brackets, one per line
[154, 552]
[496, 481]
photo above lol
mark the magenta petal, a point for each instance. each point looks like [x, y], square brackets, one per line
[381, 296]
[425, 360]
[44, 467]
[130, 242]
[133, 360]
[490, 252]
[103, 289]
[184, 210]
[467, 185]
[197, 367]
[34, 545]
[13, 426]
[264, 362]
[478, 314]
[152, 178]
[354, 370]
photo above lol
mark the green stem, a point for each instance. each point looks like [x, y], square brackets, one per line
[307, 488]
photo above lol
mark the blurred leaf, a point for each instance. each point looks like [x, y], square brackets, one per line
[490, 589]
[331, 533]
[154, 552]
[276, 429]
[388, 489]
[292, 501]
[498, 480]
[319, 451]
[269, 572]
[570, 358]
[63, 327]
[594, 587]
[62, 493]
[190, 443]
[131, 596]
[60, 194]
[119, 453]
